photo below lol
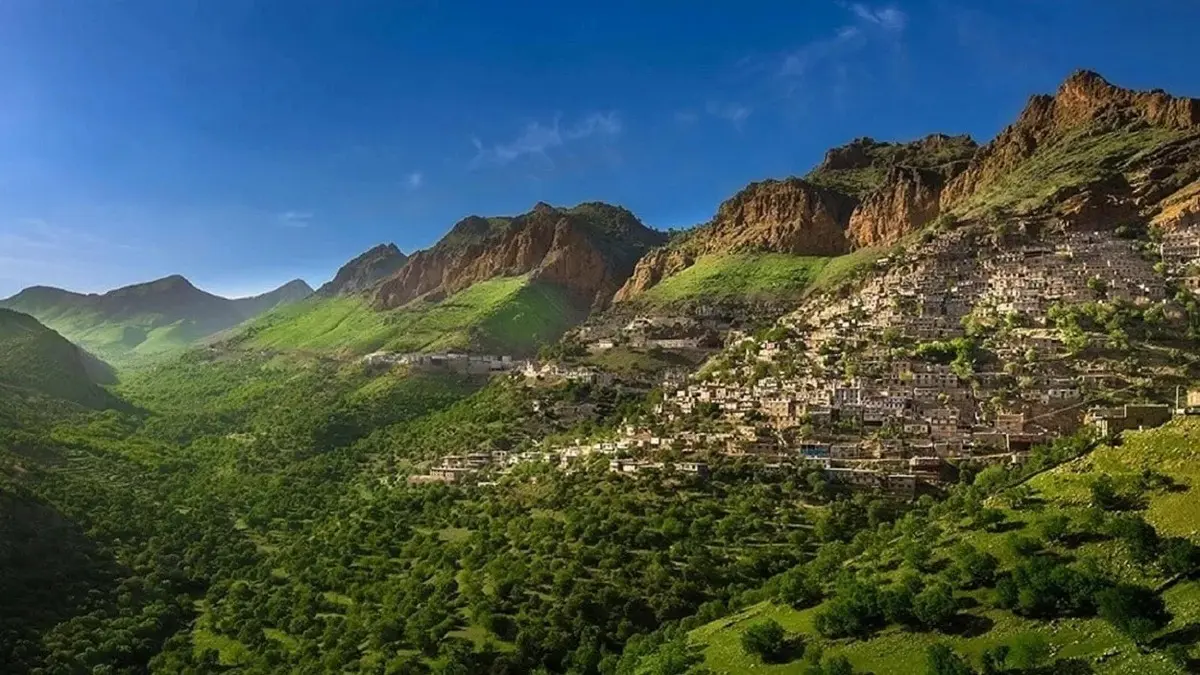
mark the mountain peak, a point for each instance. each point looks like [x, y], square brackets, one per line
[588, 249]
[365, 270]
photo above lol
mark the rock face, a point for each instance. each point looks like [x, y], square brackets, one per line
[1084, 100]
[862, 194]
[906, 202]
[363, 272]
[589, 250]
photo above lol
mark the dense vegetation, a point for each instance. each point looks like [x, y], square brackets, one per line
[502, 315]
[1091, 566]
[236, 517]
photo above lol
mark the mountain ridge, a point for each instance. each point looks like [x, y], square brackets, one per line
[147, 318]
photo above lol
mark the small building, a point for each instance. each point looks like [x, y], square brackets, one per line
[1110, 421]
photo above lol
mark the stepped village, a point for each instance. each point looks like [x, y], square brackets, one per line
[939, 357]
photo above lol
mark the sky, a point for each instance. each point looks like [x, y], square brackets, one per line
[243, 143]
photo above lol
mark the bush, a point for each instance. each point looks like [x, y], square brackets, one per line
[1028, 651]
[1135, 611]
[797, 588]
[942, 660]
[765, 640]
[1180, 556]
[935, 606]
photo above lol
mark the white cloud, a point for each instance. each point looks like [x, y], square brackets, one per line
[832, 52]
[734, 113]
[536, 139]
[888, 18]
[415, 180]
[295, 219]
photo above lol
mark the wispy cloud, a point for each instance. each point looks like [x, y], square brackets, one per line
[831, 60]
[34, 251]
[734, 113]
[295, 219]
[888, 18]
[415, 180]
[537, 139]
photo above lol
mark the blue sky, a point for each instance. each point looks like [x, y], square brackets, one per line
[244, 143]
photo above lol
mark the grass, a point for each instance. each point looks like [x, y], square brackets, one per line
[506, 314]
[1173, 450]
[1075, 160]
[630, 361]
[749, 275]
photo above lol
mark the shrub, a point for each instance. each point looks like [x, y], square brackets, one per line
[765, 640]
[1135, 611]
[942, 660]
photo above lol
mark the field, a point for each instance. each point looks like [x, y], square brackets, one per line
[508, 314]
[1173, 450]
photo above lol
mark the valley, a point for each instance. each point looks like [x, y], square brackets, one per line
[930, 408]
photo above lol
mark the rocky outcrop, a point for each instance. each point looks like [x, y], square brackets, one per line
[363, 272]
[1180, 210]
[782, 216]
[589, 250]
[1084, 100]
[778, 216]
[656, 266]
[906, 202]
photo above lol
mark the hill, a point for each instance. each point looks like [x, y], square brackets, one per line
[1053, 516]
[145, 320]
[35, 359]
[497, 285]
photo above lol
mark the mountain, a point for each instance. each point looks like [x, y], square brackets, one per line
[365, 271]
[587, 250]
[497, 284]
[859, 196]
[293, 291]
[145, 319]
[36, 359]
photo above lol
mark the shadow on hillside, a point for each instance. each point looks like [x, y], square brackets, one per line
[970, 625]
[1187, 635]
[50, 571]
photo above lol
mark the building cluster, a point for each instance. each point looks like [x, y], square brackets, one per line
[868, 386]
[1180, 250]
[454, 362]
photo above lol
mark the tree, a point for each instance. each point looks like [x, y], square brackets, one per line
[1136, 611]
[1055, 527]
[1179, 556]
[942, 660]
[1028, 651]
[935, 606]
[798, 589]
[765, 640]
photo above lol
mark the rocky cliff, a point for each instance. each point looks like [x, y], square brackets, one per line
[1098, 125]
[364, 271]
[862, 194]
[589, 250]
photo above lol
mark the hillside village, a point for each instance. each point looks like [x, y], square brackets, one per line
[949, 352]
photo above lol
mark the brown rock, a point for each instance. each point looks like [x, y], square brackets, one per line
[908, 199]
[1085, 99]
[589, 250]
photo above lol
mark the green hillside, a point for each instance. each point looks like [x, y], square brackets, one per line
[1052, 517]
[135, 323]
[505, 314]
[36, 359]
[745, 275]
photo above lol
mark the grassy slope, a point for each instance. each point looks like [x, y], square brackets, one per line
[33, 357]
[1078, 159]
[507, 314]
[1173, 450]
[749, 275]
